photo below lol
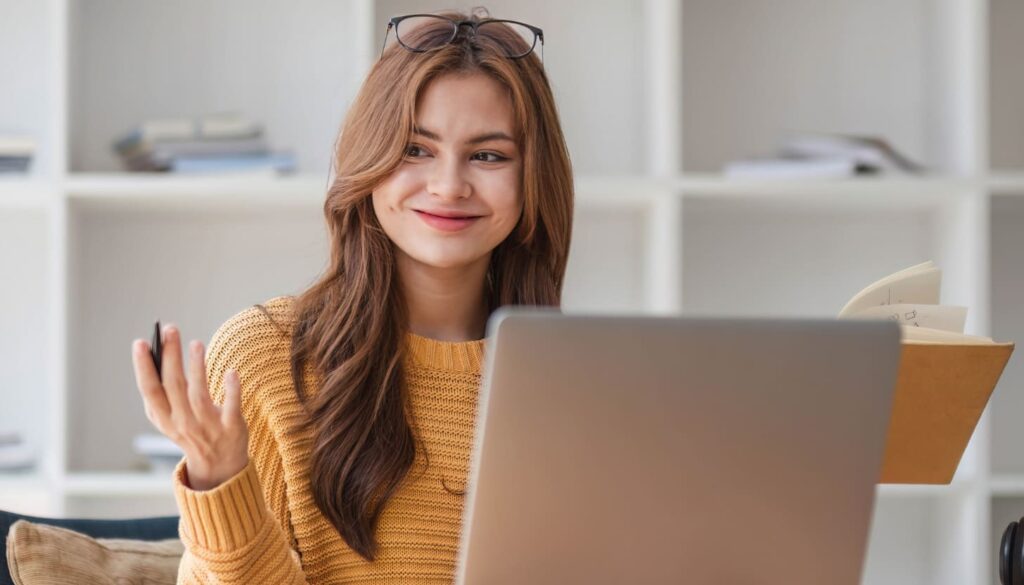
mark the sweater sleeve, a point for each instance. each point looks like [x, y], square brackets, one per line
[230, 536]
[229, 532]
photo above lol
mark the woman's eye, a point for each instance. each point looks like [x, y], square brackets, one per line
[415, 151]
[497, 157]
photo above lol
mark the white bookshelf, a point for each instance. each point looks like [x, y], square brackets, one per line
[654, 96]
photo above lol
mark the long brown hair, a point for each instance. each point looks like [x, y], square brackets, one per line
[350, 324]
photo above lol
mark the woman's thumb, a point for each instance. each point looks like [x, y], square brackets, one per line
[232, 411]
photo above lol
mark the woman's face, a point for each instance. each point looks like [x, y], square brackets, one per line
[460, 161]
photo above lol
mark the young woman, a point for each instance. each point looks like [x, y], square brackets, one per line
[333, 442]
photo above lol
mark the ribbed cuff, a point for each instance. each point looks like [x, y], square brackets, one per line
[225, 518]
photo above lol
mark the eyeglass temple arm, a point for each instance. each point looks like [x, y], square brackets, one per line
[388, 31]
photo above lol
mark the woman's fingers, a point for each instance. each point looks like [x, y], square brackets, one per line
[158, 409]
[198, 393]
[214, 439]
[174, 376]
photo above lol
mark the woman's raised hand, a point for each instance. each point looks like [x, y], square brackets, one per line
[215, 439]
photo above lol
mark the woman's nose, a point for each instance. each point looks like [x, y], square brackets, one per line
[448, 181]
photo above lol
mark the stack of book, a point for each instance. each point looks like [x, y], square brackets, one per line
[16, 153]
[825, 156]
[215, 143]
[161, 453]
[15, 454]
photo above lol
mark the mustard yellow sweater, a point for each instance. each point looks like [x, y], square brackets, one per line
[262, 526]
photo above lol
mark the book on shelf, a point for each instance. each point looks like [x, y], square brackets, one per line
[213, 126]
[219, 143]
[16, 153]
[15, 453]
[160, 156]
[826, 156]
[945, 378]
[870, 151]
[794, 168]
[10, 438]
[165, 151]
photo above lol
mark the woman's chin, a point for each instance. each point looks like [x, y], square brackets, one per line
[448, 260]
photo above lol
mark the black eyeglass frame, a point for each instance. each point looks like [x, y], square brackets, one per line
[474, 24]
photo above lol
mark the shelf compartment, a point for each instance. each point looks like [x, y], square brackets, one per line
[1006, 84]
[30, 80]
[26, 334]
[194, 268]
[209, 62]
[755, 74]
[1007, 274]
[805, 261]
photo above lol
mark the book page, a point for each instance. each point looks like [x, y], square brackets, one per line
[944, 317]
[912, 285]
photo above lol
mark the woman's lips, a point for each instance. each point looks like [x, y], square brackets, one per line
[447, 224]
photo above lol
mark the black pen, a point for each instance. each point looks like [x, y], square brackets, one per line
[156, 348]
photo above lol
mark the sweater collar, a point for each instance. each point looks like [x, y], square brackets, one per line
[454, 356]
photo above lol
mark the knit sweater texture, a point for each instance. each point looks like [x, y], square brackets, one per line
[262, 526]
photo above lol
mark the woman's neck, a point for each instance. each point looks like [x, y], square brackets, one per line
[447, 304]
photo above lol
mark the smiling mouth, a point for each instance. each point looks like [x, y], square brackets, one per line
[446, 216]
[447, 224]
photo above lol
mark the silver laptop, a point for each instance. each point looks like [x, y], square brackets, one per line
[638, 449]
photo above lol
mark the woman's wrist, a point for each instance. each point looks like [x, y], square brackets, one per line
[201, 479]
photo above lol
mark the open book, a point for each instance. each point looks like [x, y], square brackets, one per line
[945, 379]
[911, 298]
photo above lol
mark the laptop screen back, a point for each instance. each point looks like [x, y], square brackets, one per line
[618, 449]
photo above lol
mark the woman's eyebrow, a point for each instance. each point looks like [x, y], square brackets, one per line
[475, 140]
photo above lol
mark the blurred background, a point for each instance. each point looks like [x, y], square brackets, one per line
[168, 160]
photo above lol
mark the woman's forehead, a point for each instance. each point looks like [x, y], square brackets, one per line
[462, 107]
